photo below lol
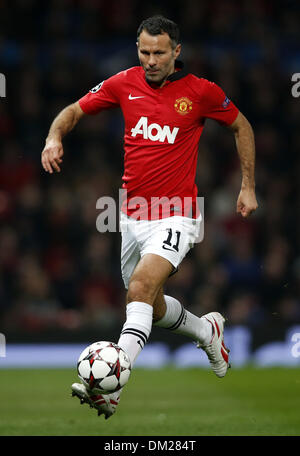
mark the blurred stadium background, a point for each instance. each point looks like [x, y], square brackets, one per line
[60, 280]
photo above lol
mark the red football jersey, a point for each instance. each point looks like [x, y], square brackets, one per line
[163, 126]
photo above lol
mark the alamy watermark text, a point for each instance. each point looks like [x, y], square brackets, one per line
[296, 87]
[2, 346]
[2, 86]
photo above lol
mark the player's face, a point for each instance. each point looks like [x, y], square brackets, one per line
[157, 56]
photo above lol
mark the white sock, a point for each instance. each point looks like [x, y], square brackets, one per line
[136, 329]
[181, 321]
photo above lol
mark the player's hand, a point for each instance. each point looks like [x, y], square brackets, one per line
[52, 155]
[246, 203]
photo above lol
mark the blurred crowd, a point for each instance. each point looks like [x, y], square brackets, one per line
[56, 269]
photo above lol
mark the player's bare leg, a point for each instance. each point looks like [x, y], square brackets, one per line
[148, 278]
[159, 306]
[207, 331]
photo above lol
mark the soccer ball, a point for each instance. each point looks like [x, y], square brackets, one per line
[103, 367]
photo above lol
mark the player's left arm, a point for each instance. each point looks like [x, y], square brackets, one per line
[244, 138]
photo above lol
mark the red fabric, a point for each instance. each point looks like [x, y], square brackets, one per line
[162, 131]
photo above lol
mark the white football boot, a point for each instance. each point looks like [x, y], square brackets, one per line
[105, 403]
[216, 351]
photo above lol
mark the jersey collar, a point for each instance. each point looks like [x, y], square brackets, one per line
[179, 73]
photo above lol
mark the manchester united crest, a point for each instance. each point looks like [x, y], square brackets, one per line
[183, 105]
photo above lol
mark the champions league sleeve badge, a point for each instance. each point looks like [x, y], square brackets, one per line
[226, 102]
[96, 88]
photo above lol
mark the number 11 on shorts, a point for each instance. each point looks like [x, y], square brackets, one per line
[168, 241]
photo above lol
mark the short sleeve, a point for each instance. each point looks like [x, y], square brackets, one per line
[216, 105]
[104, 96]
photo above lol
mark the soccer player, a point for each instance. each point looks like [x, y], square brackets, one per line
[164, 108]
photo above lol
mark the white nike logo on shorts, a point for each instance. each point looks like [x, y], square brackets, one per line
[167, 248]
[134, 98]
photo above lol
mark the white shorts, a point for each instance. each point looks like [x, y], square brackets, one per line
[170, 238]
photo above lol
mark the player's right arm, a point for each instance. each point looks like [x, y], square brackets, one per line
[64, 122]
[104, 96]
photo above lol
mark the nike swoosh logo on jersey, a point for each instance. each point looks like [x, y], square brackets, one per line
[134, 98]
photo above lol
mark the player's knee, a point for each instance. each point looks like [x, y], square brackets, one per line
[141, 290]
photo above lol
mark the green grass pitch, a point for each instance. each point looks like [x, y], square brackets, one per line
[169, 401]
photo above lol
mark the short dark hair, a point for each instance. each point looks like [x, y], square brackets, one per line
[157, 25]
